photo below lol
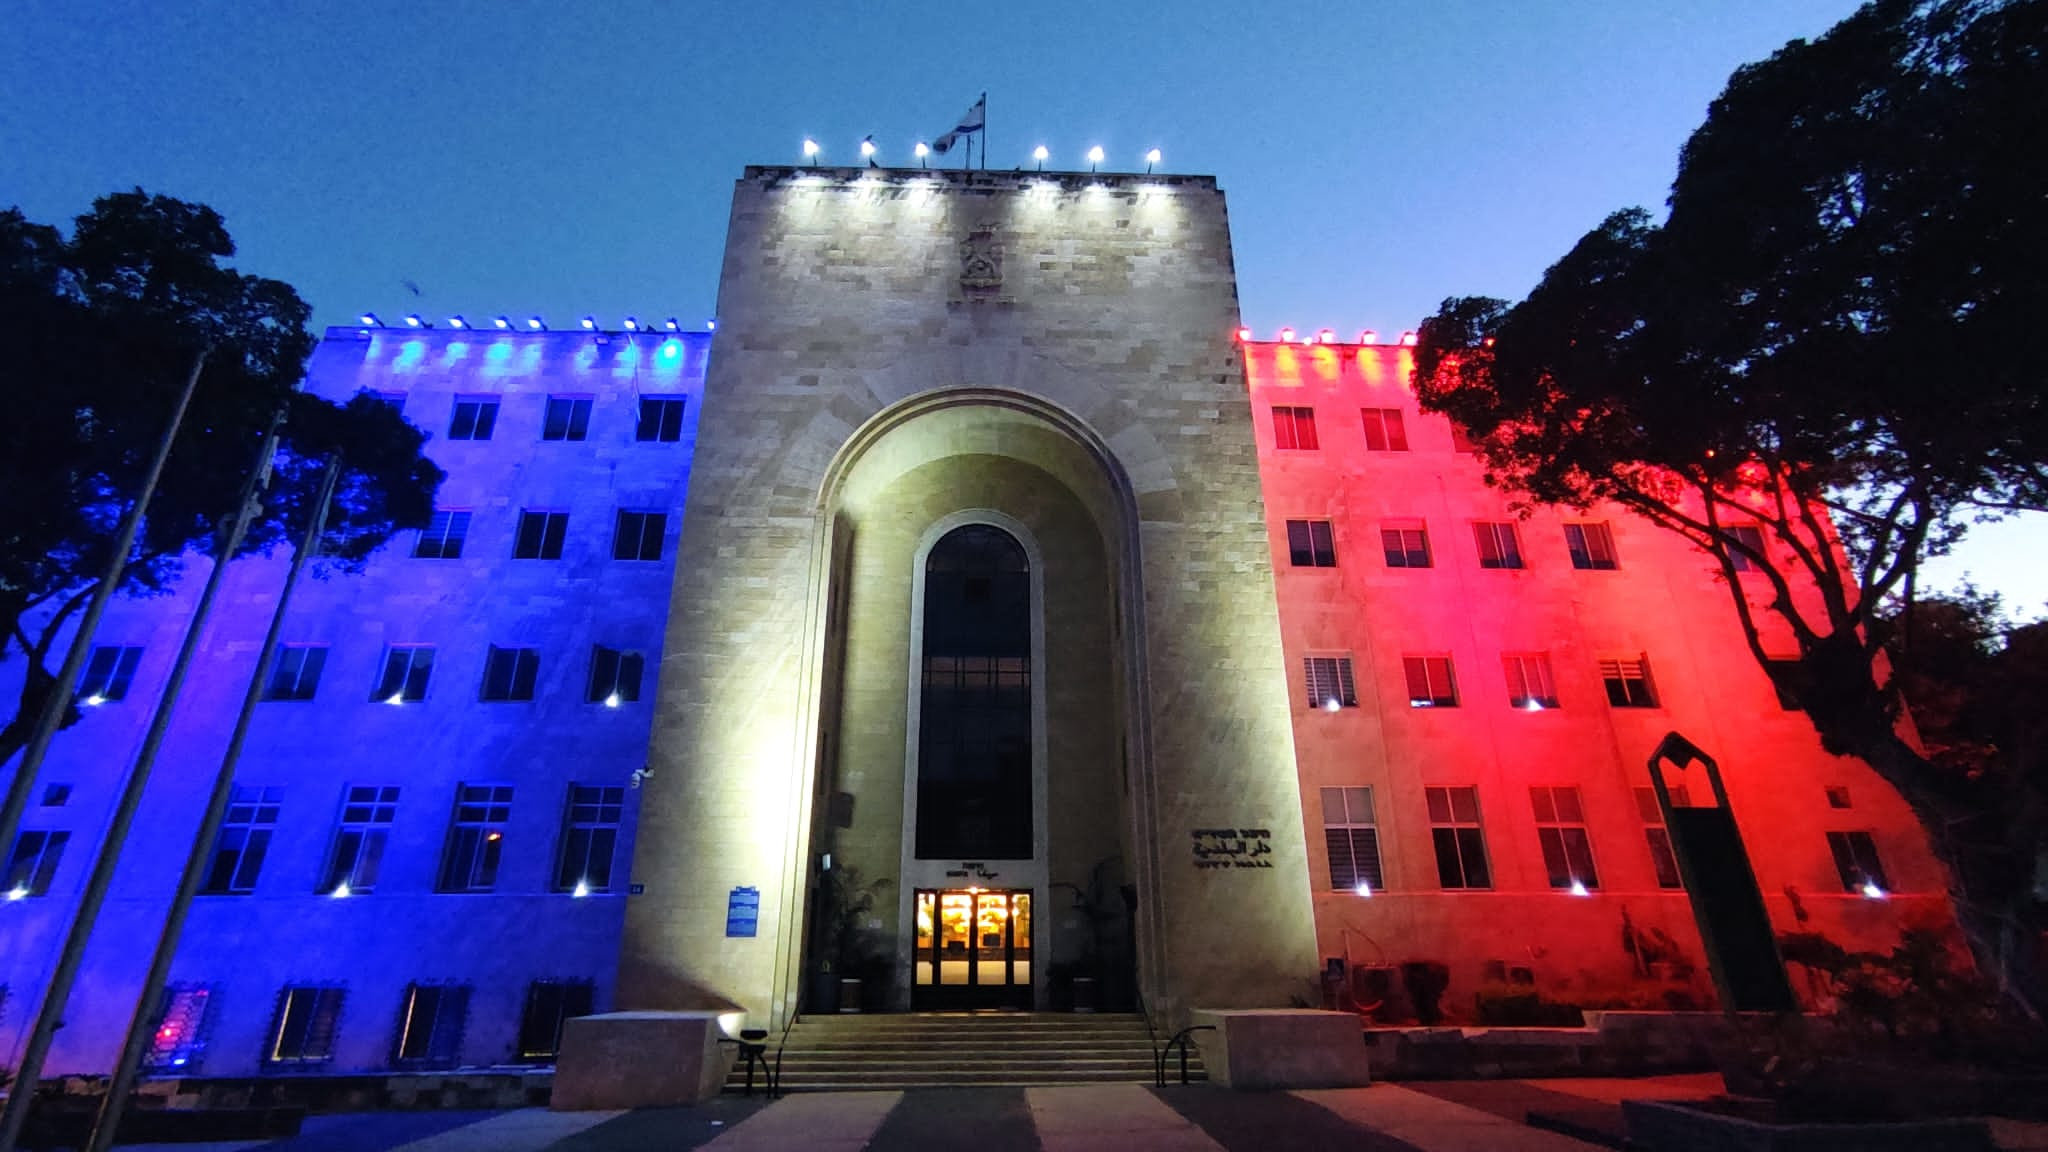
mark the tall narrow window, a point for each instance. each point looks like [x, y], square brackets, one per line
[1406, 546]
[474, 418]
[1530, 685]
[548, 1004]
[1459, 841]
[1628, 682]
[109, 670]
[1330, 685]
[637, 536]
[407, 668]
[1352, 836]
[442, 538]
[590, 836]
[509, 673]
[1310, 545]
[179, 1039]
[430, 1020]
[295, 672]
[1561, 829]
[1591, 545]
[476, 838]
[243, 841]
[566, 418]
[974, 714]
[615, 676]
[661, 419]
[1752, 538]
[33, 863]
[540, 535]
[1499, 546]
[352, 864]
[307, 1018]
[1294, 428]
[1384, 431]
[1662, 858]
[1856, 861]
[1430, 684]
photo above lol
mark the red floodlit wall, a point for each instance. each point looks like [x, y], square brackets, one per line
[1660, 610]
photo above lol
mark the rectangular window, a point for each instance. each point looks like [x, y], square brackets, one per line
[407, 668]
[1461, 438]
[1838, 796]
[1561, 830]
[1383, 430]
[179, 1038]
[1310, 544]
[295, 672]
[1751, 537]
[614, 675]
[430, 1020]
[1406, 547]
[1856, 861]
[1353, 837]
[441, 539]
[1499, 545]
[33, 863]
[109, 670]
[637, 536]
[1591, 546]
[1662, 857]
[661, 419]
[509, 673]
[474, 418]
[1784, 673]
[590, 832]
[1329, 682]
[306, 1021]
[392, 400]
[366, 816]
[548, 1004]
[567, 418]
[476, 838]
[1294, 428]
[1530, 685]
[540, 535]
[56, 795]
[1455, 833]
[244, 840]
[1430, 684]
[1628, 682]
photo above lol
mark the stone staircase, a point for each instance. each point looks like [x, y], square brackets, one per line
[954, 1049]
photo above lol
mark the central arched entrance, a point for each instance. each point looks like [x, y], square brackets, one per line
[974, 744]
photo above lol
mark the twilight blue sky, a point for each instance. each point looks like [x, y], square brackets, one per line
[564, 158]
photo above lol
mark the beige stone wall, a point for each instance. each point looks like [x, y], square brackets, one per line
[1112, 319]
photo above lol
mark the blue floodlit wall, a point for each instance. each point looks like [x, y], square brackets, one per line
[245, 948]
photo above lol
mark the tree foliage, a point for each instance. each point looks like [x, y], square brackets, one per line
[102, 328]
[1819, 367]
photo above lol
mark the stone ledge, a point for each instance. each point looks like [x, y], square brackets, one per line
[1262, 1048]
[622, 1060]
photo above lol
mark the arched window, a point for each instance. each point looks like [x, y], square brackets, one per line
[974, 731]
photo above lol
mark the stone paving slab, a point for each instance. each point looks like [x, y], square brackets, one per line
[1425, 1122]
[983, 1119]
[1111, 1118]
[815, 1122]
[1265, 1121]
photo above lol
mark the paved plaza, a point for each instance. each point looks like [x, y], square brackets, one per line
[1454, 1116]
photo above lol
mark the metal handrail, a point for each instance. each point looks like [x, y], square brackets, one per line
[1180, 1040]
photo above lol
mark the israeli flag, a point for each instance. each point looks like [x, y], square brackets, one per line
[969, 124]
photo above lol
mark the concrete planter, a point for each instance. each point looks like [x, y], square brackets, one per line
[1661, 1127]
[849, 994]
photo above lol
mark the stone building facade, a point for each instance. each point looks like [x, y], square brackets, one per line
[985, 575]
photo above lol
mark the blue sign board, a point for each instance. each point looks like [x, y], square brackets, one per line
[743, 912]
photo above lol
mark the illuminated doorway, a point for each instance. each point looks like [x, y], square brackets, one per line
[973, 949]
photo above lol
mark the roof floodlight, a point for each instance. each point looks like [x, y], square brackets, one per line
[632, 324]
[1094, 157]
[672, 325]
[867, 148]
[370, 320]
[503, 323]
[590, 323]
[1287, 335]
[1039, 154]
[1151, 158]
[414, 321]
[457, 322]
[536, 324]
[811, 151]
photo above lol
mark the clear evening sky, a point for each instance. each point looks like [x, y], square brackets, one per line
[568, 158]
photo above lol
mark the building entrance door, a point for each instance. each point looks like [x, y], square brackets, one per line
[973, 949]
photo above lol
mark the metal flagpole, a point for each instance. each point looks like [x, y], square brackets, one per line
[143, 1025]
[81, 642]
[58, 992]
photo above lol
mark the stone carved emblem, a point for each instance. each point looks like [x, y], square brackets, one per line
[981, 263]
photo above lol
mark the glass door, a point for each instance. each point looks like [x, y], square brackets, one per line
[973, 949]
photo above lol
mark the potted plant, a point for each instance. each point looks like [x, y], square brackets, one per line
[846, 953]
